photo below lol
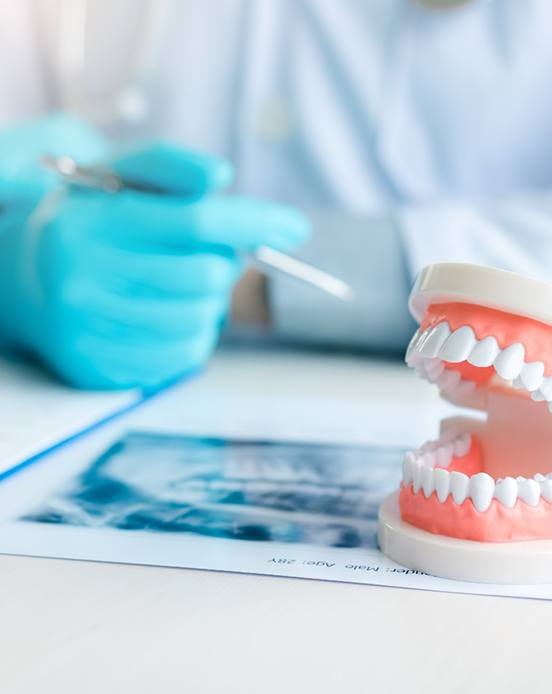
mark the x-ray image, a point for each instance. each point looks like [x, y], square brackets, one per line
[242, 490]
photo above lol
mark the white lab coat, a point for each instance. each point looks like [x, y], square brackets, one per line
[438, 120]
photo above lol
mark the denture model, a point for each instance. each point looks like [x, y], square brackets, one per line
[477, 503]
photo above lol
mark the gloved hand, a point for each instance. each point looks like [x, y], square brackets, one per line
[123, 290]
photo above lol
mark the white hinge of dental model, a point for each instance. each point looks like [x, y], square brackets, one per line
[428, 350]
[424, 469]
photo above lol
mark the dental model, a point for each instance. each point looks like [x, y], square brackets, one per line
[477, 503]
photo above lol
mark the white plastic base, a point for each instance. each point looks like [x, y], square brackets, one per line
[464, 560]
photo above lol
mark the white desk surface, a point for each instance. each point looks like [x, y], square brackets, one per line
[98, 628]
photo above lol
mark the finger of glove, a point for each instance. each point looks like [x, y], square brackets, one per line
[136, 274]
[136, 320]
[180, 172]
[233, 222]
[193, 276]
[96, 362]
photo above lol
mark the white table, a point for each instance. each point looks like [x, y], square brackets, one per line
[83, 627]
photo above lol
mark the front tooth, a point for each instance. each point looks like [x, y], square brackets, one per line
[428, 484]
[546, 489]
[531, 375]
[481, 490]
[509, 362]
[462, 445]
[435, 340]
[448, 380]
[416, 468]
[412, 345]
[442, 483]
[422, 339]
[459, 345]
[485, 352]
[506, 491]
[529, 491]
[409, 458]
[459, 483]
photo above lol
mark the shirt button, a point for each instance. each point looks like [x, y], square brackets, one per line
[274, 122]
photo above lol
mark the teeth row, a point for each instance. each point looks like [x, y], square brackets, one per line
[437, 344]
[447, 380]
[420, 471]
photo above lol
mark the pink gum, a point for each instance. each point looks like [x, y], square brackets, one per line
[496, 524]
[507, 328]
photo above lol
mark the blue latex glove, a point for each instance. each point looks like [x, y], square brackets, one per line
[124, 290]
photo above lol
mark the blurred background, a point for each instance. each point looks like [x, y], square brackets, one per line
[367, 138]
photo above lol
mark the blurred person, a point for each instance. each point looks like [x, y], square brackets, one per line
[402, 132]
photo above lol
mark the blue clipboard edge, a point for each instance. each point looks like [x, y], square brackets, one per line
[146, 396]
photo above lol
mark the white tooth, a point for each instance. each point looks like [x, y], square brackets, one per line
[539, 477]
[435, 340]
[413, 355]
[459, 483]
[448, 380]
[422, 339]
[546, 389]
[509, 362]
[546, 489]
[506, 491]
[464, 388]
[481, 490]
[428, 484]
[485, 352]
[434, 368]
[532, 374]
[428, 459]
[459, 345]
[442, 483]
[462, 445]
[412, 345]
[537, 396]
[517, 383]
[419, 368]
[416, 476]
[528, 491]
[443, 455]
[407, 468]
